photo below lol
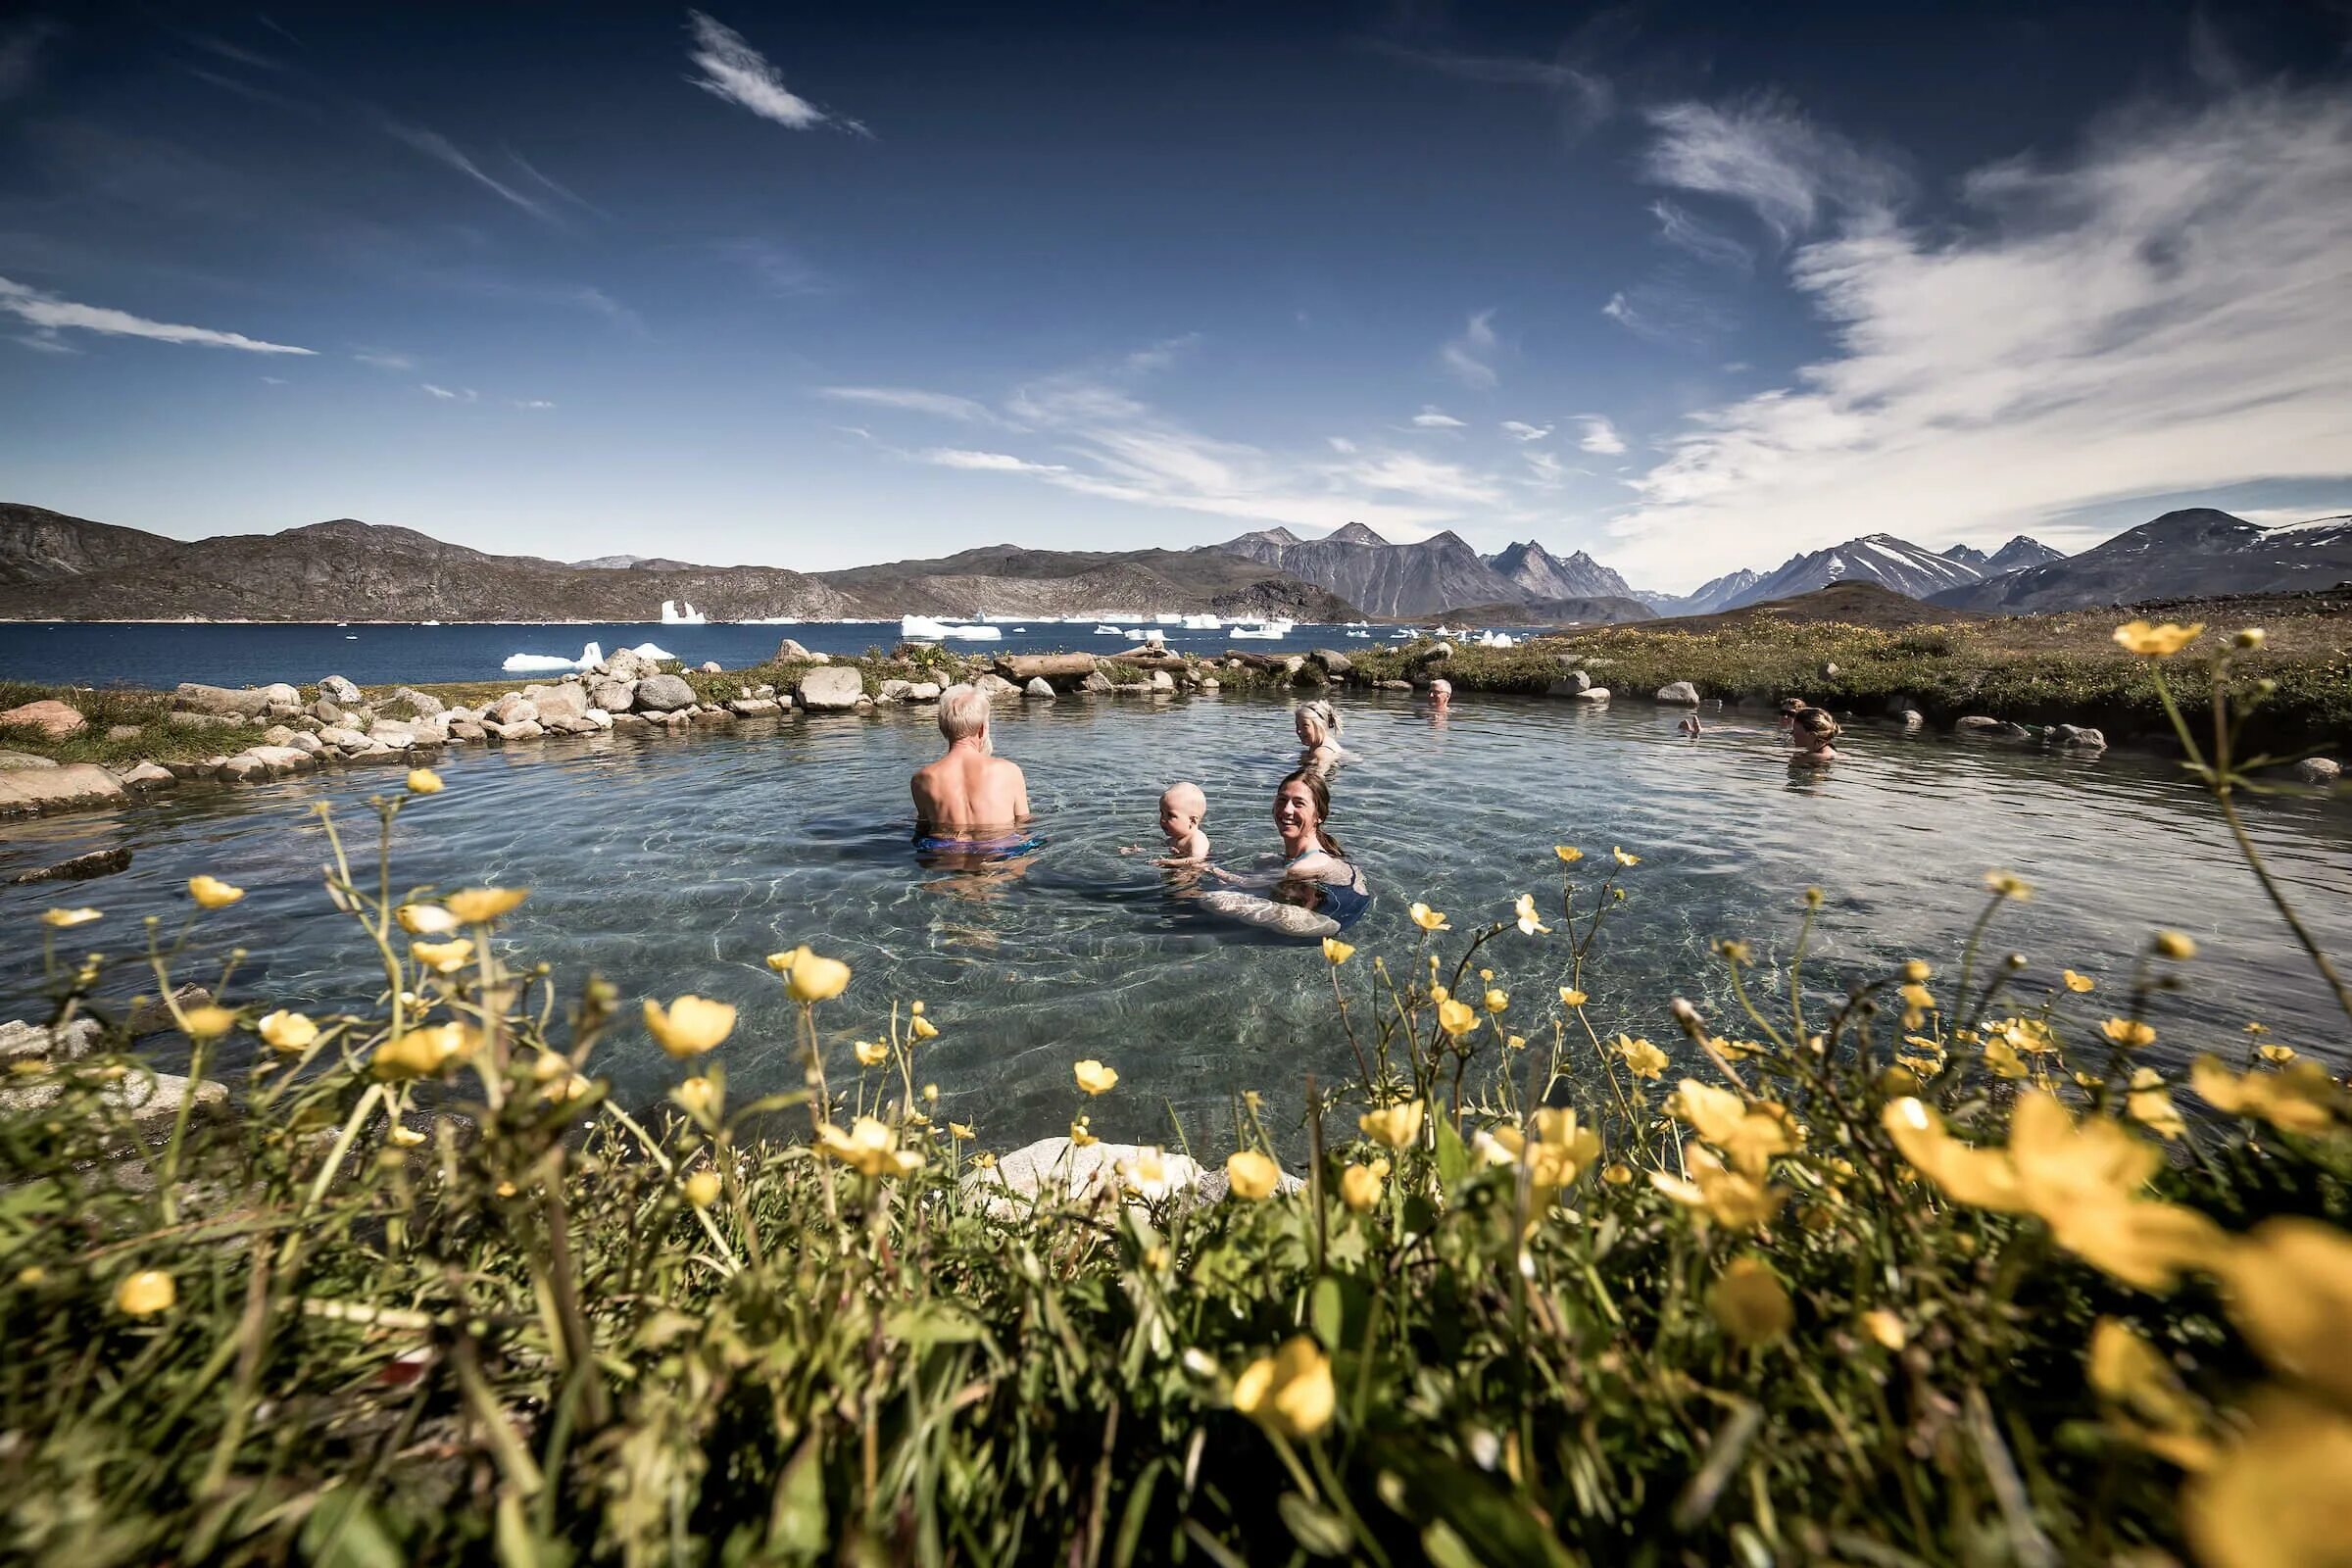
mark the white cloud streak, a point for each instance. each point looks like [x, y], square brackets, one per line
[987, 462]
[1596, 433]
[1521, 430]
[1685, 232]
[1762, 152]
[449, 394]
[1432, 417]
[2164, 313]
[49, 313]
[1468, 357]
[733, 71]
[383, 359]
[442, 149]
[913, 400]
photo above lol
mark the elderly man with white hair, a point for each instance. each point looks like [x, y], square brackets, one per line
[969, 797]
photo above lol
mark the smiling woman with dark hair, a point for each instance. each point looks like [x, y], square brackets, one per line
[1312, 889]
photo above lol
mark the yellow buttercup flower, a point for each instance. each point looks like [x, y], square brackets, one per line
[1457, 1018]
[689, 1025]
[2156, 642]
[984, 1160]
[921, 1027]
[1750, 1135]
[68, 919]
[425, 920]
[2128, 1032]
[146, 1293]
[1360, 1185]
[2174, 945]
[1569, 854]
[1624, 858]
[1514, 1041]
[957, 1129]
[1290, 1391]
[1095, 1078]
[1336, 951]
[1618, 1174]
[1749, 1302]
[1082, 1133]
[2299, 1100]
[2009, 885]
[403, 1137]
[286, 1031]
[817, 979]
[1643, 1058]
[1252, 1175]
[425, 1053]
[208, 1022]
[443, 958]
[211, 893]
[2274, 1497]
[2150, 1104]
[870, 1052]
[2275, 1056]
[1561, 1151]
[2126, 1369]
[481, 906]
[1918, 972]
[782, 962]
[869, 1148]
[702, 1189]
[423, 781]
[1398, 1126]
[2288, 1286]
[1525, 912]
[698, 1095]
[1887, 1328]
[1496, 1001]
[1570, 997]
[1427, 918]
[2077, 983]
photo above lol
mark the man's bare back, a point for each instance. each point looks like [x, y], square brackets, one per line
[968, 790]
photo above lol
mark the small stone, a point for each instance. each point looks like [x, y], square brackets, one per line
[34, 1042]
[512, 708]
[829, 689]
[1912, 720]
[631, 721]
[614, 696]
[994, 687]
[1332, 660]
[752, 706]
[124, 732]
[53, 717]
[234, 702]
[524, 729]
[1210, 683]
[1039, 688]
[2319, 771]
[304, 741]
[711, 667]
[325, 712]
[2075, 737]
[1986, 728]
[344, 740]
[1593, 694]
[1680, 690]
[1162, 681]
[81, 867]
[279, 735]
[789, 647]
[71, 784]
[422, 702]
[556, 701]
[1570, 683]
[663, 694]
[340, 690]
[923, 691]
[148, 776]
[768, 689]
[896, 690]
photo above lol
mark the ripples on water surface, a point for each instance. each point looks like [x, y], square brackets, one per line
[673, 864]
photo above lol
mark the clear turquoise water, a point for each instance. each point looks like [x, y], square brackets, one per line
[673, 864]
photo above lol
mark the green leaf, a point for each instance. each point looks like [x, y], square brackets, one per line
[1453, 1158]
[343, 1532]
[1317, 1529]
[1327, 1315]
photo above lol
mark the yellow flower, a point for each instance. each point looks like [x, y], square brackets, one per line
[698, 1095]
[1750, 1135]
[689, 1025]
[2128, 1032]
[815, 979]
[2156, 642]
[2276, 1499]
[1496, 1001]
[481, 906]
[869, 1148]
[1562, 1153]
[984, 1160]
[1918, 972]
[870, 1052]
[1252, 1175]
[1525, 911]
[1082, 1135]
[1570, 997]
[702, 1189]
[208, 1022]
[1457, 1018]
[1731, 1198]
[1624, 858]
[1618, 1174]
[2009, 885]
[2298, 1099]
[1427, 918]
[2174, 945]
[2289, 1284]
[1396, 1126]
[2127, 1370]
[1887, 1328]
[1749, 1302]
[423, 781]
[146, 1293]
[403, 1137]
[286, 1031]
[1569, 854]
[425, 920]
[425, 1053]
[212, 893]
[443, 958]
[782, 962]
[920, 1027]
[2150, 1104]
[957, 1129]
[2077, 983]
[1145, 1174]
[1359, 1185]
[2275, 1056]
[2003, 1057]
[1514, 1041]
[1336, 951]
[1645, 1060]
[1734, 952]
[1095, 1078]
[1290, 1391]
[66, 919]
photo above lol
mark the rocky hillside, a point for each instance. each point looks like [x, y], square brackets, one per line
[1910, 569]
[1403, 581]
[1710, 596]
[1541, 574]
[2191, 553]
[2017, 554]
[1605, 610]
[1009, 580]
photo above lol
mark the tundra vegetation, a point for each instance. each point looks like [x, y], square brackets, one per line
[1885, 1270]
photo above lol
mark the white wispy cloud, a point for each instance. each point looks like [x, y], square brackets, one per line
[734, 71]
[1549, 471]
[49, 315]
[442, 149]
[274, 381]
[1521, 430]
[533, 403]
[1762, 151]
[1468, 357]
[1667, 310]
[384, 360]
[1596, 433]
[1340, 443]
[913, 400]
[987, 462]
[1432, 417]
[1683, 232]
[2161, 312]
[450, 394]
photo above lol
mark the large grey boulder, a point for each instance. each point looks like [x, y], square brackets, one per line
[24, 790]
[10, 761]
[2075, 737]
[996, 687]
[557, 701]
[613, 695]
[422, 702]
[337, 689]
[393, 733]
[626, 665]
[2319, 771]
[148, 776]
[1569, 683]
[895, 690]
[81, 867]
[244, 702]
[1098, 683]
[1982, 727]
[1593, 694]
[344, 740]
[326, 711]
[752, 706]
[511, 709]
[829, 689]
[1678, 691]
[790, 648]
[1039, 689]
[1054, 1173]
[524, 729]
[663, 694]
[1332, 660]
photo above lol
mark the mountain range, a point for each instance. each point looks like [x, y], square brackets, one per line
[2196, 550]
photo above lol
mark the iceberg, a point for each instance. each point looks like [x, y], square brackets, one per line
[923, 630]
[676, 613]
[547, 663]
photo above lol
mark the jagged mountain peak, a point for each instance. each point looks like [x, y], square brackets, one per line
[1347, 534]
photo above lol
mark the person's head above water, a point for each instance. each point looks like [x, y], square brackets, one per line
[1182, 809]
[964, 714]
[1317, 724]
[1441, 691]
[1301, 805]
[1815, 728]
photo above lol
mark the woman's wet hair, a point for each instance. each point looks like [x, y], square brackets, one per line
[1319, 793]
[1815, 723]
[1322, 715]
[1791, 706]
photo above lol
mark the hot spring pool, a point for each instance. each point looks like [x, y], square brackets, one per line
[671, 864]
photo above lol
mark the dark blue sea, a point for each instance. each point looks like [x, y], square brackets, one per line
[159, 654]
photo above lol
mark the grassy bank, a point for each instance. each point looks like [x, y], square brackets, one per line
[1942, 1273]
[2036, 669]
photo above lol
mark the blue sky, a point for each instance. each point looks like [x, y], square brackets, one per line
[1691, 287]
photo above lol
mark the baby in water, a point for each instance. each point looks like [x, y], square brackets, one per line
[1182, 809]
